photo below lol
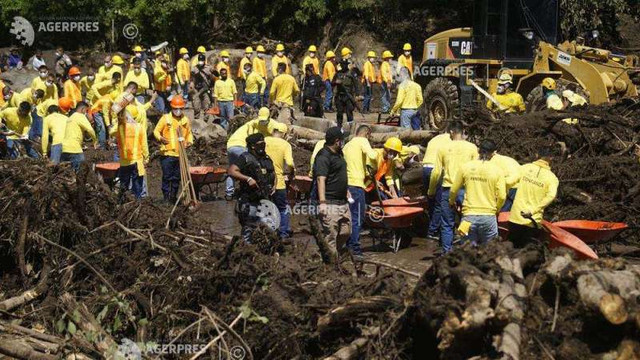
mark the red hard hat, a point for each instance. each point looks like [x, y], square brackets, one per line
[65, 104]
[74, 71]
[177, 102]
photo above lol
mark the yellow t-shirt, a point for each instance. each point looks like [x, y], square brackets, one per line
[314, 62]
[434, 146]
[369, 73]
[316, 149]
[280, 152]
[244, 60]
[328, 71]
[255, 83]
[385, 72]
[105, 74]
[141, 79]
[77, 125]
[260, 66]
[18, 124]
[409, 96]
[449, 160]
[512, 102]
[485, 190]
[50, 92]
[224, 90]
[511, 169]
[356, 152]
[275, 60]
[538, 188]
[239, 137]
[283, 89]
[167, 127]
[55, 125]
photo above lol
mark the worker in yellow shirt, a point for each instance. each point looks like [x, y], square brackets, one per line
[386, 79]
[15, 123]
[449, 160]
[224, 63]
[570, 100]
[139, 76]
[34, 98]
[86, 83]
[429, 180]
[553, 101]
[162, 82]
[246, 59]
[284, 87]
[46, 82]
[32, 95]
[537, 190]
[369, 78]
[406, 158]
[405, 60]
[106, 87]
[510, 101]
[224, 96]
[112, 64]
[101, 114]
[485, 193]
[171, 129]
[183, 72]
[281, 154]
[11, 98]
[383, 167]
[511, 170]
[356, 152]
[133, 152]
[237, 143]
[54, 124]
[312, 59]
[200, 51]
[408, 101]
[71, 88]
[278, 59]
[328, 72]
[77, 126]
[260, 66]
[254, 86]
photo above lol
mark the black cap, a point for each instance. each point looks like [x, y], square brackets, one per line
[253, 139]
[201, 57]
[333, 134]
[137, 61]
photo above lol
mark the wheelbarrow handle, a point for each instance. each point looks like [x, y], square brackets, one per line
[530, 217]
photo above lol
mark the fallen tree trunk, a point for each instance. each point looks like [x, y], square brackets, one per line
[356, 310]
[314, 123]
[305, 133]
[29, 295]
[611, 292]
[88, 324]
[354, 349]
[407, 136]
[19, 349]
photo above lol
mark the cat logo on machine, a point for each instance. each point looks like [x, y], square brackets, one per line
[563, 58]
[466, 48]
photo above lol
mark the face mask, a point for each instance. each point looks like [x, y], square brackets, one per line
[7, 97]
[246, 71]
[501, 89]
[49, 83]
[57, 53]
[43, 74]
[185, 56]
[260, 55]
[137, 70]
[390, 156]
[177, 112]
[76, 78]
[225, 60]
[91, 77]
[201, 63]
[407, 53]
[312, 55]
[107, 64]
[372, 59]
[260, 149]
[138, 55]
[280, 53]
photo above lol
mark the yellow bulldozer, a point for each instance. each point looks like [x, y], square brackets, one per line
[458, 65]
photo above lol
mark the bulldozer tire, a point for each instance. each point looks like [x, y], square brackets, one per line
[441, 98]
[536, 101]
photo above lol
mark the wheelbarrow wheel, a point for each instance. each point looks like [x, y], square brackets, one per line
[405, 239]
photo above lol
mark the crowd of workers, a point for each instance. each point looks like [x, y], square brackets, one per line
[111, 103]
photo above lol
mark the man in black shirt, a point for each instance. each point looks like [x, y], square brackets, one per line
[312, 93]
[346, 88]
[330, 174]
[254, 170]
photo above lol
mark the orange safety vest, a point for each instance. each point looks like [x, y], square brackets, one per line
[382, 171]
[130, 145]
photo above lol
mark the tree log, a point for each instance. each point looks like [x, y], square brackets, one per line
[353, 350]
[19, 349]
[355, 310]
[88, 323]
[407, 136]
[305, 133]
[314, 123]
[609, 291]
[31, 294]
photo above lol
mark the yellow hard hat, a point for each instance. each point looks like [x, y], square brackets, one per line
[260, 48]
[117, 59]
[224, 53]
[406, 47]
[279, 47]
[345, 51]
[263, 113]
[387, 54]
[549, 83]
[371, 54]
[201, 49]
[393, 143]
[248, 50]
[313, 48]
[505, 78]
[330, 54]
[183, 51]
[133, 110]
[137, 48]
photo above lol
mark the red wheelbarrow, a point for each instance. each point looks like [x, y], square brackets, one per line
[560, 237]
[207, 176]
[403, 202]
[395, 218]
[304, 184]
[592, 232]
[107, 171]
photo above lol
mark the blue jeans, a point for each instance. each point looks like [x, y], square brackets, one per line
[483, 228]
[101, 130]
[233, 153]
[405, 117]
[386, 98]
[170, 177]
[366, 92]
[12, 148]
[357, 209]
[448, 218]
[328, 94]
[265, 98]
[160, 102]
[35, 132]
[74, 159]
[56, 153]
[129, 174]
[185, 90]
[252, 100]
[511, 195]
[226, 112]
[280, 199]
[435, 213]
[416, 121]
